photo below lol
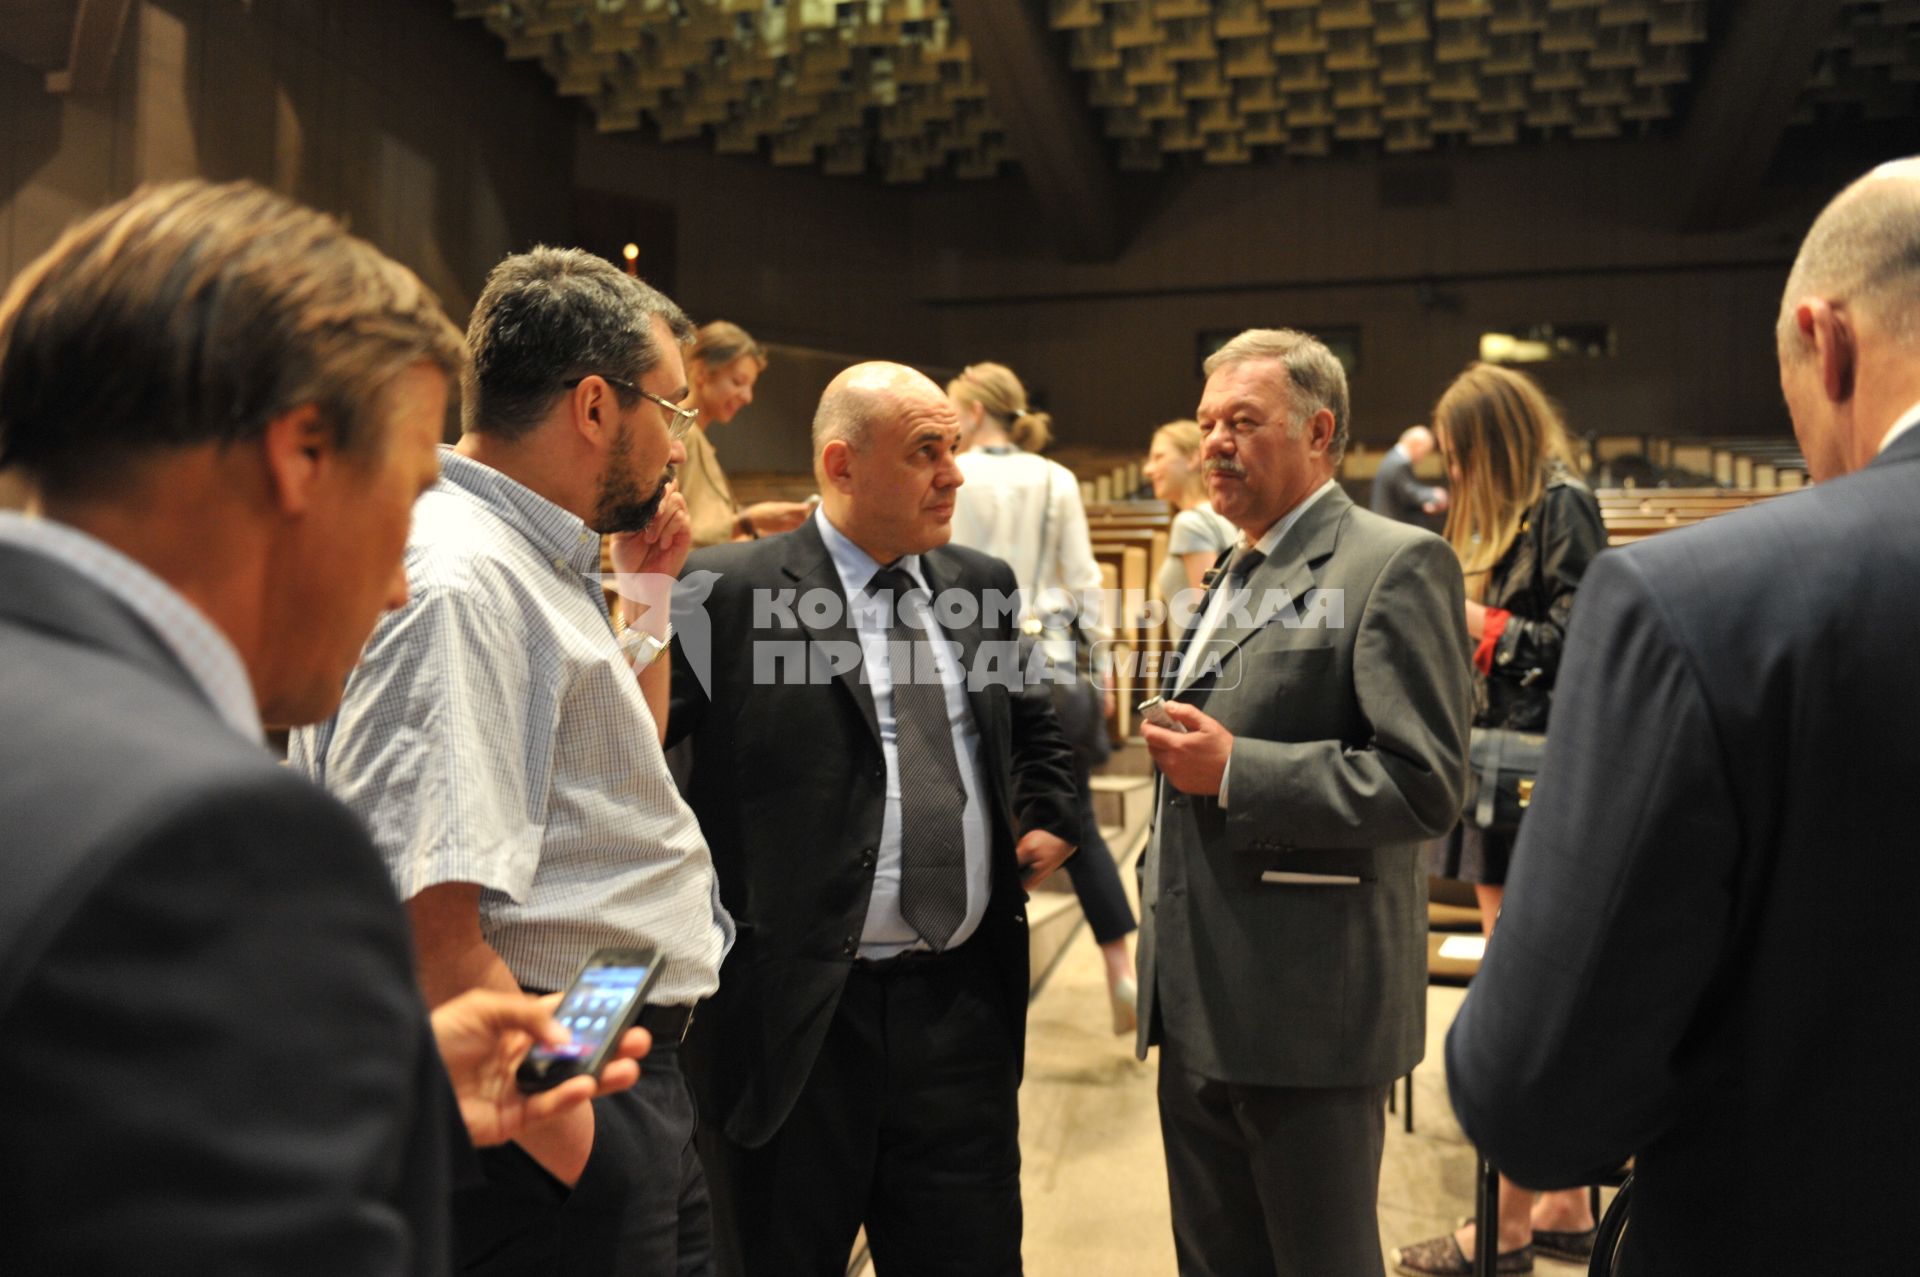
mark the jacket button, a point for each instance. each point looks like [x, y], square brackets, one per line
[850, 946]
[868, 859]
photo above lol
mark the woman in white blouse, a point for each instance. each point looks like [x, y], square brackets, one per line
[1018, 506]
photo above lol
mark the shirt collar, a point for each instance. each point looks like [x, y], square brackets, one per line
[1268, 543]
[855, 566]
[556, 533]
[1908, 421]
[196, 642]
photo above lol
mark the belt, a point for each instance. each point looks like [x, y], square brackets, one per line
[906, 961]
[666, 1023]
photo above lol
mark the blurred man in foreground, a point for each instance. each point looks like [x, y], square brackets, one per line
[213, 1056]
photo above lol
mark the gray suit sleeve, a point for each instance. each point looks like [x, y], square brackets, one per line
[1566, 1056]
[1406, 780]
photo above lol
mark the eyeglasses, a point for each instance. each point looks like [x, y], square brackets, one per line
[679, 420]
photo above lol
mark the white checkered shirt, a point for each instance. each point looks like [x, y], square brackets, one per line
[492, 734]
[202, 650]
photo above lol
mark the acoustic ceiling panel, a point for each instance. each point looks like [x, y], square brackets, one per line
[1397, 75]
[852, 86]
[889, 87]
[1869, 69]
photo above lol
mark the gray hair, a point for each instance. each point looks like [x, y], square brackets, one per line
[552, 314]
[1863, 249]
[1316, 376]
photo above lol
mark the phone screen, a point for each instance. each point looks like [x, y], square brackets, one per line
[595, 1009]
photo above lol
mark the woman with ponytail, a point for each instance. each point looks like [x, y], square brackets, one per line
[1018, 506]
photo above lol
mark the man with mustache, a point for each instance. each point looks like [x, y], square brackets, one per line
[1321, 733]
[874, 807]
[502, 743]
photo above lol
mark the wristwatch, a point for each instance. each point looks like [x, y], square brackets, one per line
[642, 649]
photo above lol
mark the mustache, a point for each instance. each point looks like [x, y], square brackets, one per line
[1224, 465]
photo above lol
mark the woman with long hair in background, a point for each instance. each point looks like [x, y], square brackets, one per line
[1525, 529]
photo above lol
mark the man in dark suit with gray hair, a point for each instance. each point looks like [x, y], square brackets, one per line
[1321, 732]
[1705, 956]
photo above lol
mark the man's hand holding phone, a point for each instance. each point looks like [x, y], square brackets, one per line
[484, 1035]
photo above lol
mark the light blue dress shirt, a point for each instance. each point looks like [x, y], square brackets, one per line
[203, 651]
[886, 932]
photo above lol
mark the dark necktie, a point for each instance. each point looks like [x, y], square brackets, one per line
[933, 850]
[1245, 563]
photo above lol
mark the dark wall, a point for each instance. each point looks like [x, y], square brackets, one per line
[409, 125]
[1580, 233]
[819, 267]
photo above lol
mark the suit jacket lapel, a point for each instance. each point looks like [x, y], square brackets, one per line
[810, 567]
[1288, 569]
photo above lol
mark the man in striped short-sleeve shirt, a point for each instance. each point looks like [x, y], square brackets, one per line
[498, 743]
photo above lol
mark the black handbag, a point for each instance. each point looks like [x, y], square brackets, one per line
[1502, 765]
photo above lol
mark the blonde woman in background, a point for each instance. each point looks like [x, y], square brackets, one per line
[1525, 529]
[1198, 535]
[723, 364]
[1020, 507]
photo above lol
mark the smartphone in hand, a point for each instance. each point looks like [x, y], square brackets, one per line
[1155, 712]
[602, 1003]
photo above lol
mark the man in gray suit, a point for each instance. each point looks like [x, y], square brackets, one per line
[1321, 731]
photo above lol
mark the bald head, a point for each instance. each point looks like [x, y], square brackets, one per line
[1863, 251]
[864, 394]
[1849, 330]
[884, 443]
[1417, 443]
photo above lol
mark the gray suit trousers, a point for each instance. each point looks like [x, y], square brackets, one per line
[1271, 1181]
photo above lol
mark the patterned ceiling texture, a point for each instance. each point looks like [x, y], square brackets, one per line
[1870, 67]
[853, 85]
[890, 86]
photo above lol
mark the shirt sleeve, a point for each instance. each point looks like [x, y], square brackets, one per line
[1078, 568]
[444, 746]
[1189, 534]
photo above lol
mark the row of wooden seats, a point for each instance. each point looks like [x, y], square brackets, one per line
[1761, 464]
[1632, 514]
[1129, 539]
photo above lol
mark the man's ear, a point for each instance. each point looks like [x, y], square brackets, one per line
[836, 463]
[1320, 432]
[595, 411]
[299, 449]
[1834, 345]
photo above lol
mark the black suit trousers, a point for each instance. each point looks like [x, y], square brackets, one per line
[638, 1210]
[908, 1124]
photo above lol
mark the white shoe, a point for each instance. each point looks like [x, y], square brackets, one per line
[1124, 998]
